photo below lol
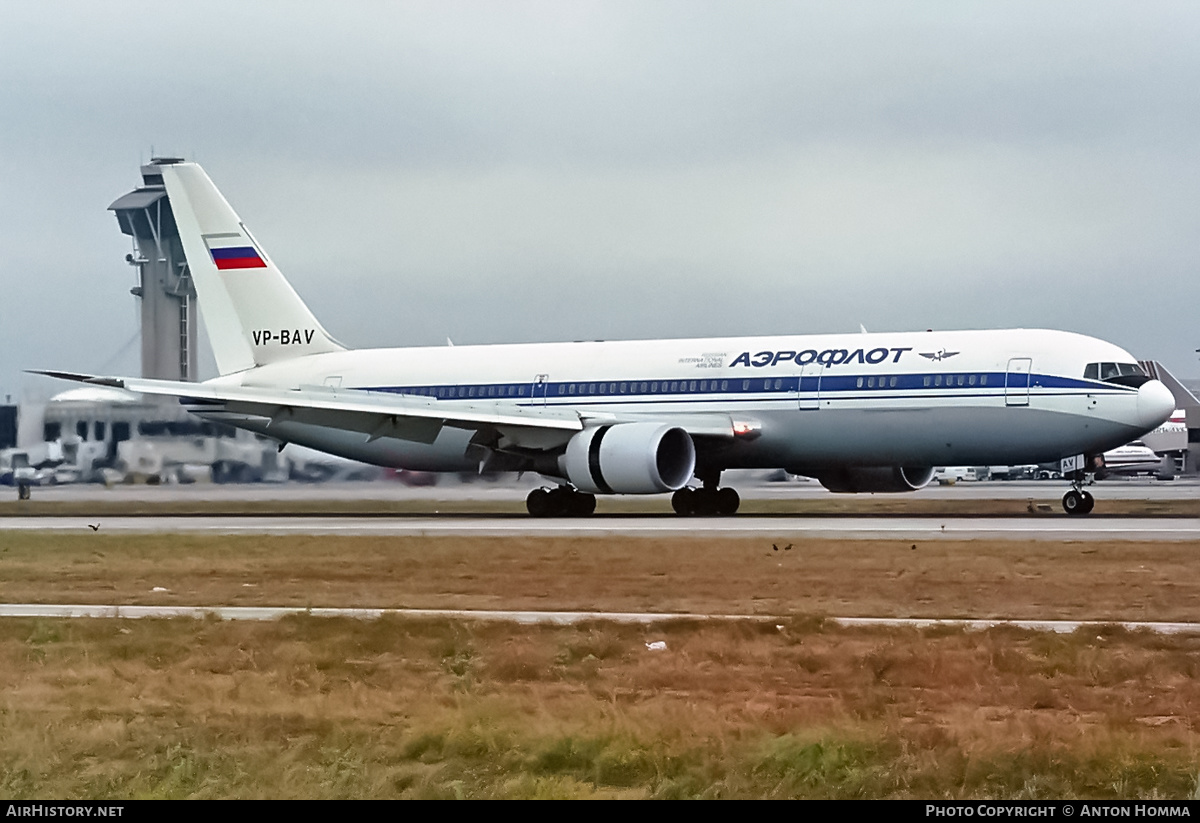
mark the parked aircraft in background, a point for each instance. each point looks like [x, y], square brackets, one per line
[1136, 458]
[859, 412]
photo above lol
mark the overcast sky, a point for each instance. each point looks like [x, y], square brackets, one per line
[502, 172]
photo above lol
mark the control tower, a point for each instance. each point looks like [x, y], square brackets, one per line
[164, 286]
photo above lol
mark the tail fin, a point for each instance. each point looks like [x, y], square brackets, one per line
[252, 314]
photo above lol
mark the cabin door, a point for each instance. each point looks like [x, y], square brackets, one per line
[1016, 381]
[538, 390]
[809, 388]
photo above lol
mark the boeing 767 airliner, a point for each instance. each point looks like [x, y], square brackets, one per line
[859, 412]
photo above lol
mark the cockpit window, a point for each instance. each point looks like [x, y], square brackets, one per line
[1122, 374]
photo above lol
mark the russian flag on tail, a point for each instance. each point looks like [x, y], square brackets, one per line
[237, 257]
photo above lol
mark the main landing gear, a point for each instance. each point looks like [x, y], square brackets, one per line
[707, 501]
[562, 501]
[1077, 501]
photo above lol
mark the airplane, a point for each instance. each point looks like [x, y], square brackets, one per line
[1136, 458]
[871, 412]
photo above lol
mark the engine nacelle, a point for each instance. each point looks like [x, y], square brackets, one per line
[856, 479]
[629, 458]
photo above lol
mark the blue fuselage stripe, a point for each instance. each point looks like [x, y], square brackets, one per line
[842, 387]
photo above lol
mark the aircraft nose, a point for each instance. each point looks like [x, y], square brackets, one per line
[1155, 403]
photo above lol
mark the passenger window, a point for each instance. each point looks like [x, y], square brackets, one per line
[927, 381]
[971, 380]
[571, 390]
[892, 382]
[860, 383]
[724, 385]
[870, 382]
[766, 385]
[778, 384]
[983, 379]
[745, 385]
[937, 380]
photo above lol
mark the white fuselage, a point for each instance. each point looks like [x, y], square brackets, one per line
[923, 398]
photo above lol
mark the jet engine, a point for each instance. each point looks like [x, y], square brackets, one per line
[629, 458]
[857, 479]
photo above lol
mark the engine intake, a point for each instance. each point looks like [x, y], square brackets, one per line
[854, 480]
[629, 458]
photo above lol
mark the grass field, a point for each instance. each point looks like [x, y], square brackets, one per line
[330, 708]
[786, 707]
[1093, 580]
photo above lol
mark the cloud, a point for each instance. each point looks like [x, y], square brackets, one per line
[534, 171]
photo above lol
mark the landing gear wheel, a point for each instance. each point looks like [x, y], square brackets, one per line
[539, 503]
[1073, 502]
[563, 501]
[727, 500]
[683, 501]
[705, 502]
[1078, 501]
[581, 505]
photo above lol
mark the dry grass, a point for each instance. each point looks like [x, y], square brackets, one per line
[338, 708]
[404, 708]
[1000, 579]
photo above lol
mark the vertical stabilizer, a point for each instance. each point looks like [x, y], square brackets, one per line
[252, 314]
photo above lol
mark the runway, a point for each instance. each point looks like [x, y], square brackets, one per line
[559, 618]
[1047, 527]
[749, 484]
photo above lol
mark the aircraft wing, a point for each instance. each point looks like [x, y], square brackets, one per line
[386, 414]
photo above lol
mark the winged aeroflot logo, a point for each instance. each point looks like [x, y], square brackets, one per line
[940, 354]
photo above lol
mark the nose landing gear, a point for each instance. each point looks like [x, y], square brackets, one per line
[1077, 501]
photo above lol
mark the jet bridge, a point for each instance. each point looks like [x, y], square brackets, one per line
[1176, 438]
